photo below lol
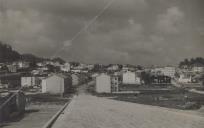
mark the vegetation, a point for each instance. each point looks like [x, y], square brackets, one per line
[190, 62]
[7, 54]
[58, 59]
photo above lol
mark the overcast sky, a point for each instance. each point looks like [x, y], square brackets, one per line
[128, 31]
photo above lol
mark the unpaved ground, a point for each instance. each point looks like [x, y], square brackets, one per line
[36, 116]
[86, 111]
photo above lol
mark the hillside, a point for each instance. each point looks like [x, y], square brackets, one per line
[7, 54]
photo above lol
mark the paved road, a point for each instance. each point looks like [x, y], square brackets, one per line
[87, 111]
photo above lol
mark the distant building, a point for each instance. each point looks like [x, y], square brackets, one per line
[12, 68]
[166, 71]
[56, 64]
[23, 64]
[56, 84]
[75, 79]
[94, 75]
[125, 69]
[29, 81]
[103, 83]
[185, 78]
[43, 69]
[40, 64]
[48, 62]
[90, 66]
[160, 79]
[116, 80]
[65, 67]
[169, 71]
[157, 71]
[114, 67]
[198, 68]
[131, 78]
[76, 70]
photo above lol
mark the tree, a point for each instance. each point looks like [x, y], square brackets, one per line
[58, 59]
[191, 62]
[4, 68]
[146, 77]
[75, 64]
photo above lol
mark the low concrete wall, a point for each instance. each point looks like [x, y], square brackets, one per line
[15, 103]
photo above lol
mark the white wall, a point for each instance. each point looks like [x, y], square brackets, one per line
[184, 79]
[65, 67]
[75, 79]
[27, 81]
[129, 78]
[103, 84]
[53, 85]
[44, 86]
[198, 69]
[169, 71]
[137, 80]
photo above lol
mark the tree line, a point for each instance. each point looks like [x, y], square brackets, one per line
[191, 62]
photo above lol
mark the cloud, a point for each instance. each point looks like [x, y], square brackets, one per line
[26, 31]
[171, 21]
[80, 8]
[129, 31]
[67, 43]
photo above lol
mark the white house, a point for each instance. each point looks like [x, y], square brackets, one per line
[76, 70]
[103, 83]
[157, 71]
[113, 67]
[198, 68]
[131, 78]
[12, 68]
[23, 64]
[137, 80]
[125, 69]
[169, 71]
[90, 66]
[28, 81]
[185, 78]
[39, 64]
[65, 67]
[56, 84]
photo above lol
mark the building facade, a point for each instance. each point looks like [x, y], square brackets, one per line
[56, 84]
[160, 79]
[169, 71]
[28, 81]
[103, 83]
[65, 68]
[198, 69]
[75, 79]
[130, 78]
[116, 80]
[185, 78]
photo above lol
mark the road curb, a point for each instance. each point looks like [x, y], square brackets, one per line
[54, 118]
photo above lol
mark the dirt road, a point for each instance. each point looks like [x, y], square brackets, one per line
[87, 111]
